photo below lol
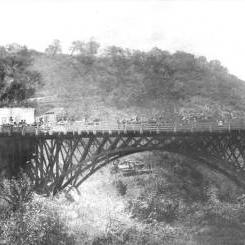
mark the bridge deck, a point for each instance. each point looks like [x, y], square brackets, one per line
[115, 128]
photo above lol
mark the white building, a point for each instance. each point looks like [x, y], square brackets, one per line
[52, 116]
[17, 114]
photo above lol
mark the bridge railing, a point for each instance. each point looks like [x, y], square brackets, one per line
[125, 127]
[151, 126]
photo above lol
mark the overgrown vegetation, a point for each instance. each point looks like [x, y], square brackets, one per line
[27, 218]
[176, 204]
[200, 206]
[121, 187]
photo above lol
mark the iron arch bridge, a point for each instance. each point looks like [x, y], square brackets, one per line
[65, 156]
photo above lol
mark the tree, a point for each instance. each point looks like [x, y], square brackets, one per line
[77, 47]
[17, 82]
[92, 47]
[54, 48]
[84, 48]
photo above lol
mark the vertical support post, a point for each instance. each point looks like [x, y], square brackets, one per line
[158, 131]
[9, 131]
[37, 130]
[125, 127]
[141, 127]
[23, 130]
[175, 127]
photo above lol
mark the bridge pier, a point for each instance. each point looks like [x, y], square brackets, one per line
[15, 153]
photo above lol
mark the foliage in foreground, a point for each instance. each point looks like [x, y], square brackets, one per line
[34, 224]
[16, 192]
[42, 220]
[178, 196]
[29, 219]
[162, 213]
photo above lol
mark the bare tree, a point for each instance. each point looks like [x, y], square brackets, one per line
[54, 48]
[84, 48]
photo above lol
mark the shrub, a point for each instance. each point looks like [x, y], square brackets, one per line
[154, 208]
[28, 218]
[123, 234]
[35, 223]
[121, 187]
[16, 191]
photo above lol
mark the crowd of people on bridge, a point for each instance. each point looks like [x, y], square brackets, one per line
[22, 123]
[12, 122]
[181, 119]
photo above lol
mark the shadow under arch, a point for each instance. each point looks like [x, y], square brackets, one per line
[212, 163]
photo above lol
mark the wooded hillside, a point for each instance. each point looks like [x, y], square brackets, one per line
[117, 82]
[132, 81]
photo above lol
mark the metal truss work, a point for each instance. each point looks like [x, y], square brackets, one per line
[61, 162]
[65, 161]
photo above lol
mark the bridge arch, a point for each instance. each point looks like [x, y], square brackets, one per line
[214, 164]
[68, 160]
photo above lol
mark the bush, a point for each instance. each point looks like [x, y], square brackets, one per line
[26, 218]
[16, 191]
[123, 234]
[35, 223]
[121, 187]
[154, 208]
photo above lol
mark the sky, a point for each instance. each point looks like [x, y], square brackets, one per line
[214, 29]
